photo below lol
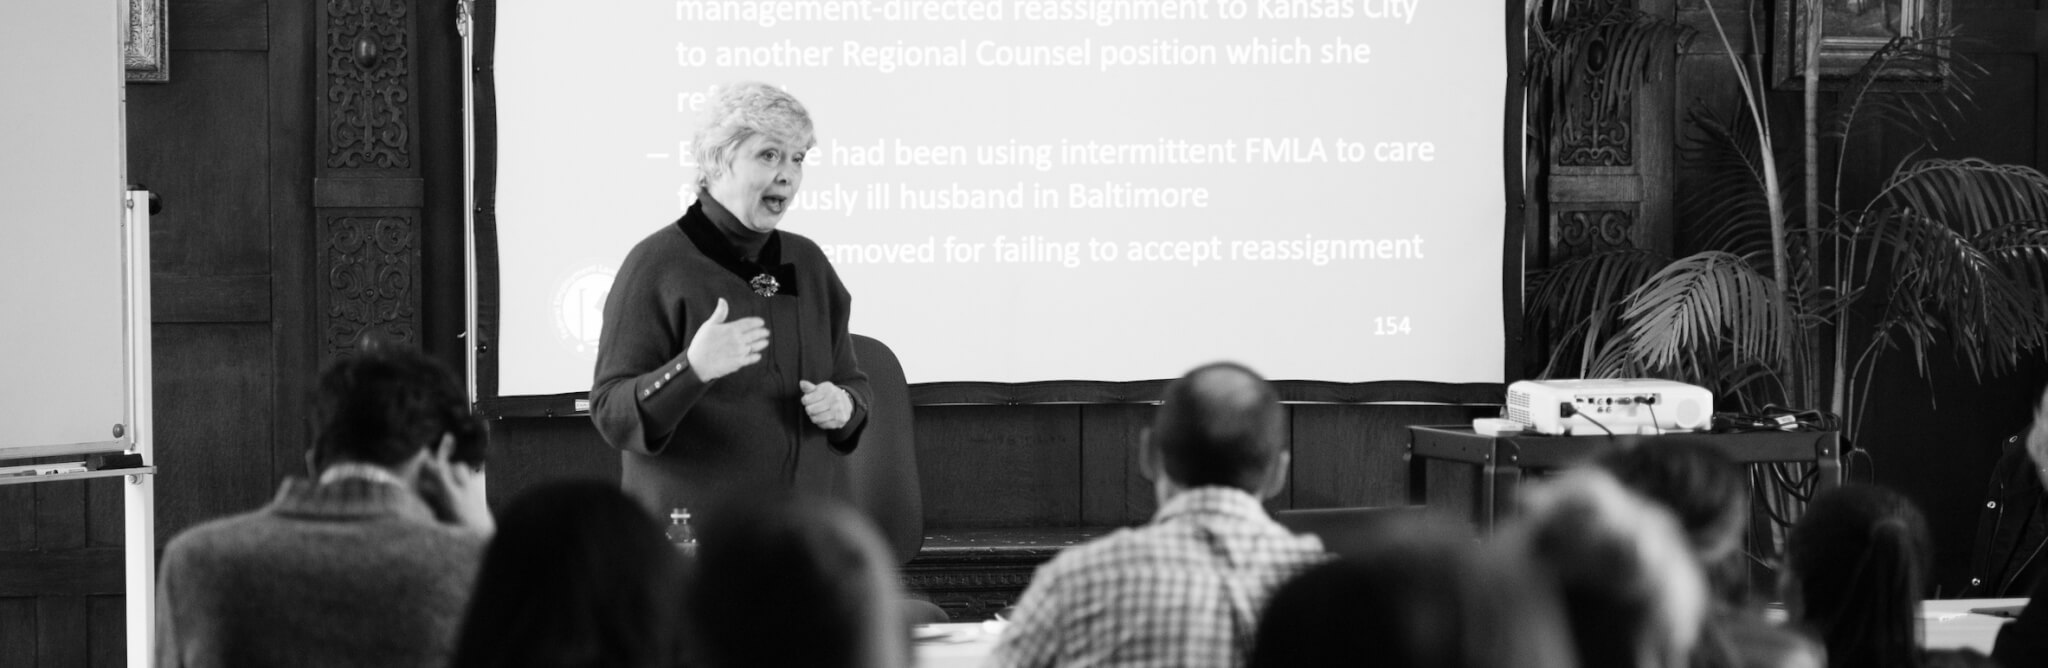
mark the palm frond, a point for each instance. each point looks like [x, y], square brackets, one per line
[1579, 57]
[1730, 209]
[1936, 83]
[1966, 248]
[1707, 300]
[2021, 251]
[1572, 306]
[1577, 288]
[1969, 195]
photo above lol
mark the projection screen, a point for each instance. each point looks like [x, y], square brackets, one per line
[1020, 191]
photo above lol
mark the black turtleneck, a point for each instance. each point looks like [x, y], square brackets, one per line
[746, 253]
[744, 239]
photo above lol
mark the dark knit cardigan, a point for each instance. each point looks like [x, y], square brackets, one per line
[686, 442]
[349, 573]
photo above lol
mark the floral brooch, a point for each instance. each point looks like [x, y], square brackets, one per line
[765, 285]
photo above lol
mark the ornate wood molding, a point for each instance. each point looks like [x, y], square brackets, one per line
[366, 186]
[973, 590]
[1594, 136]
[972, 574]
[1610, 175]
[1595, 230]
[367, 45]
[146, 53]
[370, 281]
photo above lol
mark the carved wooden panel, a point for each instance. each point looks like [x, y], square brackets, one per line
[1595, 134]
[366, 186]
[1610, 170]
[368, 86]
[1594, 137]
[369, 281]
[1595, 229]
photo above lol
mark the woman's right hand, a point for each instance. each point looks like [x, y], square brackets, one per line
[721, 347]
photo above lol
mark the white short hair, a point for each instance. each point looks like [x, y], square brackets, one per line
[741, 111]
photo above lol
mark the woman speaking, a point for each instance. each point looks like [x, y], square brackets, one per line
[724, 365]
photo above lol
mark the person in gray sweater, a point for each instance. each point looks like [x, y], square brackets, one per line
[368, 564]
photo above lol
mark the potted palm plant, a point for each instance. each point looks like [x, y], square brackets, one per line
[1770, 304]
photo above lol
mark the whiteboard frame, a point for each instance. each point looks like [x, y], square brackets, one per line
[138, 498]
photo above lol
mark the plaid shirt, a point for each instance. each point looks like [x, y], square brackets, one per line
[1184, 591]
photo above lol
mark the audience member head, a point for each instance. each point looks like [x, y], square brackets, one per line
[1221, 424]
[1634, 595]
[738, 113]
[1855, 566]
[1425, 597]
[389, 406]
[577, 575]
[813, 565]
[1707, 493]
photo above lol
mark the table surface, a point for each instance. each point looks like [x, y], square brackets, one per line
[962, 645]
[1947, 623]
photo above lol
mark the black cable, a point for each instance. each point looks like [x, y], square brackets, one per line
[1857, 466]
[1799, 489]
[1762, 496]
[1569, 410]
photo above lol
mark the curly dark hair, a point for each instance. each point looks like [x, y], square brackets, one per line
[382, 406]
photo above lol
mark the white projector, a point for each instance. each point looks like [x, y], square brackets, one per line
[1609, 406]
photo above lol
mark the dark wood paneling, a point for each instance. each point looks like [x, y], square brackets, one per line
[1114, 492]
[175, 298]
[83, 572]
[213, 422]
[2006, 91]
[60, 515]
[17, 517]
[1147, 391]
[2003, 30]
[62, 637]
[367, 193]
[18, 630]
[104, 518]
[289, 159]
[1350, 456]
[107, 627]
[528, 452]
[1734, 20]
[199, 143]
[217, 25]
[1451, 491]
[1000, 465]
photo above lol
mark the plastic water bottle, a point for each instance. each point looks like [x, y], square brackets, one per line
[679, 532]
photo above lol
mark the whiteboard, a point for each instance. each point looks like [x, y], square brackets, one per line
[64, 354]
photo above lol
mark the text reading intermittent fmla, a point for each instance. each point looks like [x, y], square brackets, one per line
[769, 13]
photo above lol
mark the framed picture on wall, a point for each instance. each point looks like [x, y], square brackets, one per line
[1851, 32]
[147, 49]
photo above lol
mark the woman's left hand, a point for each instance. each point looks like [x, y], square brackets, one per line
[828, 405]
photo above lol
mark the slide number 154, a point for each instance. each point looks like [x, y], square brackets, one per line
[1390, 326]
